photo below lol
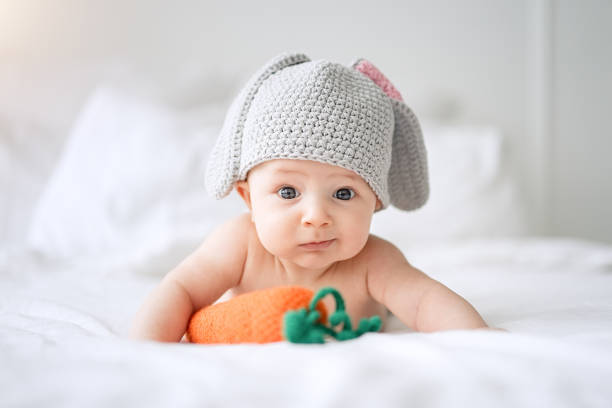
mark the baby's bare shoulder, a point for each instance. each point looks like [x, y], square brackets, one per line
[389, 272]
[217, 264]
[380, 253]
[230, 239]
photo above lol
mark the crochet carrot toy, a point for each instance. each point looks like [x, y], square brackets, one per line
[290, 313]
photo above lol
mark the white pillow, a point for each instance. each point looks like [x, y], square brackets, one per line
[472, 192]
[130, 183]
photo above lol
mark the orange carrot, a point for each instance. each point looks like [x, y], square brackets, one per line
[254, 317]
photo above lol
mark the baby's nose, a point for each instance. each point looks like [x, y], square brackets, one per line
[316, 214]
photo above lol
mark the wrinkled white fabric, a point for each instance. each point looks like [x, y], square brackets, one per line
[63, 327]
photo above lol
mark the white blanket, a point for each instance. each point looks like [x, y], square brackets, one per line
[63, 328]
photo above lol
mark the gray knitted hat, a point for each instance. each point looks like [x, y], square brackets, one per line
[352, 117]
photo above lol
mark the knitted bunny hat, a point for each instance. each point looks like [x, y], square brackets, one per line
[352, 117]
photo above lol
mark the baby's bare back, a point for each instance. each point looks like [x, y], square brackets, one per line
[262, 270]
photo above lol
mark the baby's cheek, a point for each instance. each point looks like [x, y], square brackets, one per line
[355, 236]
[273, 237]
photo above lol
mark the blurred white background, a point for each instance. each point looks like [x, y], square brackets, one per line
[538, 73]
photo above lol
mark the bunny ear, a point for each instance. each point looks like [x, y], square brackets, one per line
[224, 161]
[407, 180]
[368, 69]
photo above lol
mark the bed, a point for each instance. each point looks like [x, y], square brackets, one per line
[94, 219]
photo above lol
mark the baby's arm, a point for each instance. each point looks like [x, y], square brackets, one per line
[197, 281]
[420, 302]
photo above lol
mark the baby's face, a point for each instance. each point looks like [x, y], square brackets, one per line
[296, 202]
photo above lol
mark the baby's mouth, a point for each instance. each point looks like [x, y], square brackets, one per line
[318, 245]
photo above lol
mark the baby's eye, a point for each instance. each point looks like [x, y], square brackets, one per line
[344, 194]
[288, 192]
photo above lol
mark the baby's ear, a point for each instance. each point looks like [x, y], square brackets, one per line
[242, 188]
[378, 205]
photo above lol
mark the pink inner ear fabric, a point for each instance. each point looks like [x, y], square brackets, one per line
[367, 68]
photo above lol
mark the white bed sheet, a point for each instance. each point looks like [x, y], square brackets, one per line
[63, 327]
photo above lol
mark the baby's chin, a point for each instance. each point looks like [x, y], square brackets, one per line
[319, 260]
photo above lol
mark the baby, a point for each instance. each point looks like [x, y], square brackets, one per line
[314, 149]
